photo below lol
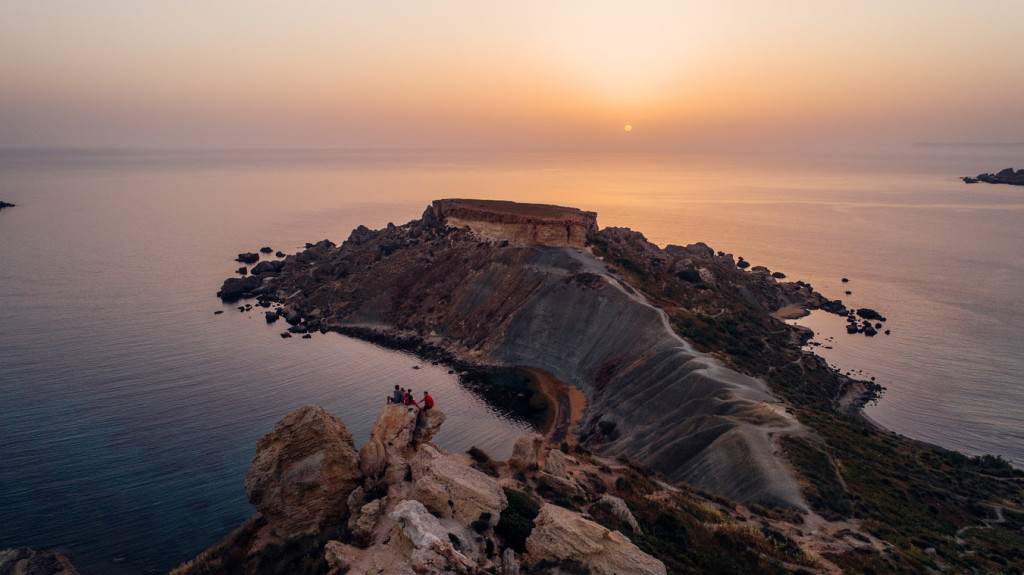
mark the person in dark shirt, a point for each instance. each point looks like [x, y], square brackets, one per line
[396, 395]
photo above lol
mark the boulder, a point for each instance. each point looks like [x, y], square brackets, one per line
[267, 266]
[433, 551]
[363, 520]
[248, 258]
[526, 452]
[562, 535]
[618, 509]
[428, 423]
[450, 489]
[303, 472]
[266, 249]
[555, 463]
[565, 486]
[395, 425]
[25, 561]
[373, 458]
[234, 289]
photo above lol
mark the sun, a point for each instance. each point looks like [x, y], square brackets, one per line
[628, 128]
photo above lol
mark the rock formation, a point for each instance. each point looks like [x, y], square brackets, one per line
[303, 472]
[562, 535]
[25, 561]
[420, 510]
[1006, 176]
[5, 205]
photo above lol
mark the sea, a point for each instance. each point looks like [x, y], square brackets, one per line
[130, 408]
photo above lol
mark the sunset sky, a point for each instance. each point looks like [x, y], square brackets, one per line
[524, 74]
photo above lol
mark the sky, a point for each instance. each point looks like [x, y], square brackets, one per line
[509, 75]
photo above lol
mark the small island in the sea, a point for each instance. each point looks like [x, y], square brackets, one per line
[5, 205]
[703, 436]
[1007, 176]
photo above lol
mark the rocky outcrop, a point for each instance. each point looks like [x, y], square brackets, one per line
[25, 561]
[526, 452]
[449, 488]
[1006, 176]
[618, 509]
[433, 550]
[561, 535]
[303, 472]
[523, 224]
[5, 205]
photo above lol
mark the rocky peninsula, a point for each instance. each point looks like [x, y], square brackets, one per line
[689, 375]
[698, 434]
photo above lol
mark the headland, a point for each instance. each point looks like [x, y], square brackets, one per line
[700, 404]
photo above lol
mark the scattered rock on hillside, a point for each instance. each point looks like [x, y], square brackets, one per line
[561, 535]
[526, 452]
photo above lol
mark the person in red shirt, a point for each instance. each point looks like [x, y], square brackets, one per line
[428, 402]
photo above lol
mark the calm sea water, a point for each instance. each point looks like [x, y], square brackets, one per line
[129, 411]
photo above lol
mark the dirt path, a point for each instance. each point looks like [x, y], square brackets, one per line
[566, 405]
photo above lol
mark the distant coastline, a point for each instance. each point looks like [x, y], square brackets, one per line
[1006, 176]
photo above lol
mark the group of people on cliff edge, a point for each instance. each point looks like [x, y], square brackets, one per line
[404, 397]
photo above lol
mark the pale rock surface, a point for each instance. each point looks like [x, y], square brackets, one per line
[618, 509]
[303, 471]
[526, 452]
[363, 521]
[25, 561]
[566, 485]
[555, 463]
[433, 551]
[450, 489]
[395, 425]
[561, 535]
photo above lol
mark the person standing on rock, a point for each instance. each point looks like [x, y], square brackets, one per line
[396, 395]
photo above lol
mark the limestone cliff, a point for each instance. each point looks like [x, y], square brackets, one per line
[417, 509]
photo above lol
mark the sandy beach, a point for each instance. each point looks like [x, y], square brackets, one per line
[792, 311]
[566, 405]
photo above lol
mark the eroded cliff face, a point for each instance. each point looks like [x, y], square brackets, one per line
[650, 394]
